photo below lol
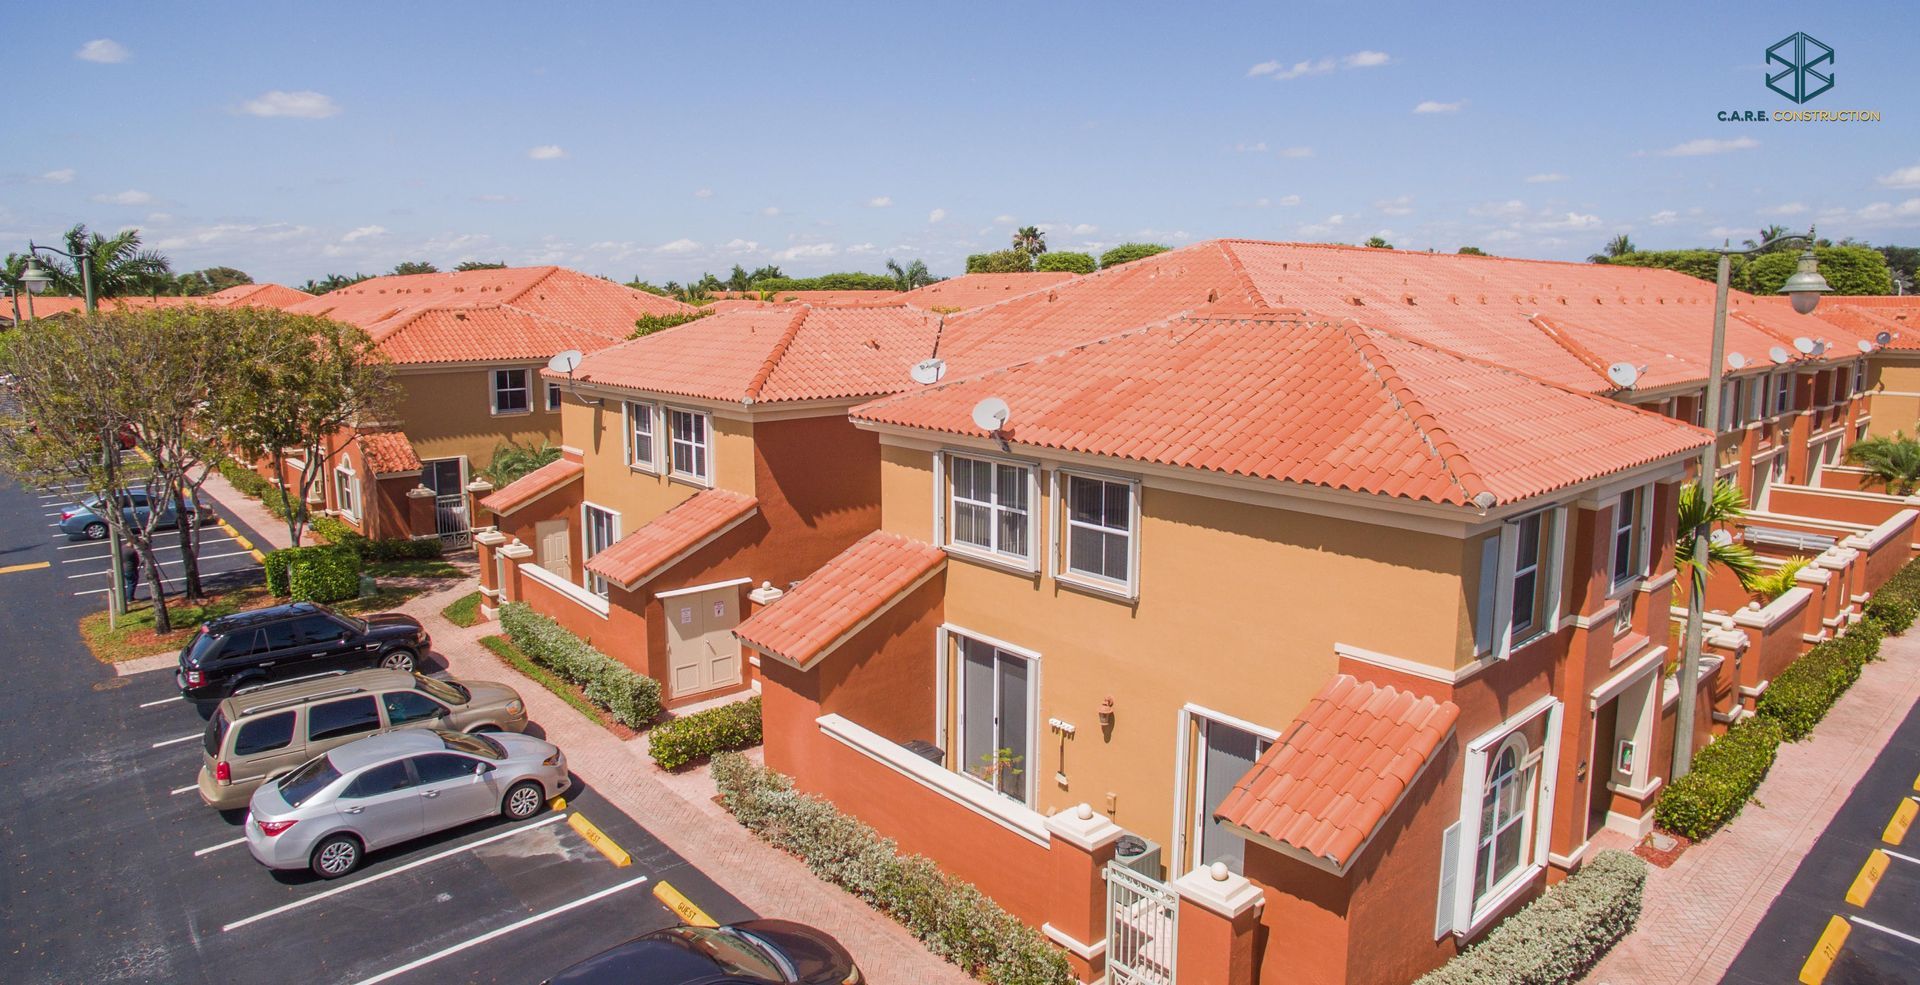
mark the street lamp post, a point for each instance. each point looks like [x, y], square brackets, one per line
[1804, 289]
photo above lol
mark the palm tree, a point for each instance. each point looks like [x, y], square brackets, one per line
[1618, 246]
[119, 268]
[1779, 581]
[1893, 459]
[1768, 233]
[910, 276]
[1378, 243]
[1030, 240]
[1726, 505]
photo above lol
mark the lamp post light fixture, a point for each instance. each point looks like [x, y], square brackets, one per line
[1803, 289]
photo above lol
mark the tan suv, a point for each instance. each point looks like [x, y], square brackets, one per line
[260, 734]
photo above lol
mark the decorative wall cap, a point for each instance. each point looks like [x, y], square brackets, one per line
[1215, 888]
[766, 594]
[1728, 639]
[1812, 575]
[1084, 828]
[421, 492]
[479, 485]
[516, 551]
[491, 538]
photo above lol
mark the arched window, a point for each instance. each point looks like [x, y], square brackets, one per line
[1506, 816]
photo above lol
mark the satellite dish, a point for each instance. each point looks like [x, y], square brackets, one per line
[1779, 355]
[1721, 538]
[1883, 337]
[1804, 344]
[1866, 346]
[1736, 360]
[1623, 375]
[1819, 347]
[991, 414]
[927, 372]
[565, 362]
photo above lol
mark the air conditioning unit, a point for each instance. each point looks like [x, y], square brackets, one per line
[1138, 854]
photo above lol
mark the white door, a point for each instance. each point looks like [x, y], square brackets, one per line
[556, 547]
[702, 652]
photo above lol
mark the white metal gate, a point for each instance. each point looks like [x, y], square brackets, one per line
[450, 519]
[1142, 928]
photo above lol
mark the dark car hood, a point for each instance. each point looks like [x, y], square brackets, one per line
[815, 956]
[392, 624]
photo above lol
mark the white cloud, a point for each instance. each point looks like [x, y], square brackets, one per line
[1663, 217]
[1295, 153]
[936, 215]
[703, 193]
[105, 51]
[1572, 220]
[1881, 213]
[861, 248]
[1545, 179]
[547, 152]
[1790, 208]
[131, 196]
[739, 246]
[63, 176]
[1395, 206]
[364, 232]
[1366, 59]
[304, 104]
[1284, 200]
[1709, 145]
[494, 199]
[808, 251]
[1263, 68]
[880, 202]
[1512, 208]
[1003, 220]
[678, 246]
[1318, 66]
[770, 211]
[1256, 147]
[1435, 106]
[1903, 178]
[1085, 229]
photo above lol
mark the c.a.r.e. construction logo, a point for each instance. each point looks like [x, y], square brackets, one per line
[1799, 67]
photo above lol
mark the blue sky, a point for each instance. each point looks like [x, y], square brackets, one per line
[294, 141]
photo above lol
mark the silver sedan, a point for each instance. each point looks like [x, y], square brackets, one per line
[327, 814]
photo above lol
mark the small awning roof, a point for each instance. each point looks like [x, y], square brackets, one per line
[672, 535]
[843, 596]
[533, 485]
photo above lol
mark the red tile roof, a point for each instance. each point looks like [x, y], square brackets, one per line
[483, 331]
[262, 295]
[811, 297]
[266, 295]
[533, 485]
[641, 554]
[389, 452]
[837, 600]
[1332, 779]
[1293, 397]
[770, 353]
[1898, 316]
[973, 290]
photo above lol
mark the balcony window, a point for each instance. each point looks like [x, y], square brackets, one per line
[1519, 583]
[1099, 521]
[510, 391]
[990, 507]
[691, 449]
[602, 528]
[1629, 536]
[996, 717]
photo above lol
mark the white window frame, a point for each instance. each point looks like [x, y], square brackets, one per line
[1859, 377]
[651, 463]
[1757, 390]
[1188, 801]
[494, 389]
[553, 396]
[1553, 534]
[956, 669]
[1060, 547]
[1782, 399]
[1526, 770]
[588, 580]
[704, 445]
[1468, 912]
[1027, 562]
[346, 497]
[1639, 530]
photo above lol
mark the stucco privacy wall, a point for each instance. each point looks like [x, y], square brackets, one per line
[449, 412]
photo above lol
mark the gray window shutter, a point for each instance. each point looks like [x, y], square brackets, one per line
[1483, 608]
[1449, 879]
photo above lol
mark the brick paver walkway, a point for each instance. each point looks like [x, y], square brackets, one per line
[1699, 913]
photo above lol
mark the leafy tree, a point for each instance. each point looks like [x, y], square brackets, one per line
[671, 289]
[1770, 233]
[333, 282]
[512, 460]
[737, 279]
[414, 267]
[649, 324]
[1000, 262]
[1894, 461]
[1030, 240]
[1903, 264]
[1848, 270]
[1070, 262]
[1472, 251]
[466, 265]
[850, 281]
[1378, 243]
[1616, 247]
[1129, 252]
[120, 268]
[1703, 264]
[211, 280]
[912, 275]
[767, 272]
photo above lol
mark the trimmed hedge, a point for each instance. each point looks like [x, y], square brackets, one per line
[334, 530]
[1801, 695]
[697, 736]
[953, 918]
[633, 699]
[1722, 780]
[1559, 937]
[313, 574]
[251, 483]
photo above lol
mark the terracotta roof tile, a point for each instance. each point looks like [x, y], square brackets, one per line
[641, 554]
[263, 295]
[973, 290]
[834, 601]
[389, 452]
[533, 485]
[1326, 792]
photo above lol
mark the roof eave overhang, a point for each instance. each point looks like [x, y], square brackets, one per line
[551, 488]
[684, 553]
[840, 640]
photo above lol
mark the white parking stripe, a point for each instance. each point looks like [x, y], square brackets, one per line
[317, 897]
[1909, 938]
[166, 564]
[1903, 858]
[163, 701]
[177, 792]
[157, 547]
[210, 849]
[175, 742]
[503, 931]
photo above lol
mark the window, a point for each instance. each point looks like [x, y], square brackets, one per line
[1860, 376]
[1226, 754]
[310, 630]
[278, 637]
[1757, 398]
[990, 506]
[1525, 586]
[346, 491]
[1506, 817]
[1842, 386]
[690, 450]
[996, 716]
[384, 778]
[640, 454]
[405, 707]
[1782, 393]
[602, 529]
[439, 767]
[510, 394]
[1099, 528]
[299, 786]
[1627, 562]
[264, 734]
[340, 718]
[553, 396]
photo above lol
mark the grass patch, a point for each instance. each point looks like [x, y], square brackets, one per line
[465, 610]
[505, 650]
[134, 636]
[413, 568]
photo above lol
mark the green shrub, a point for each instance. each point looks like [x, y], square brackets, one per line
[1896, 604]
[953, 918]
[1801, 695]
[1129, 252]
[697, 736]
[1073, 263]
[1557, 938]
[324, 574]
[275, 566]
[632, 698]
[1724, 777]
[334, 530]
[1000, 262]
[251, 483]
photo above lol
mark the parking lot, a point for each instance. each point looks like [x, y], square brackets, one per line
[117, 871]
[85, 567]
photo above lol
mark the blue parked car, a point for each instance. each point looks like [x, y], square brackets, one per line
[82, 521]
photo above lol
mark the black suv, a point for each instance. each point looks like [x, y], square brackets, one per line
[295, 640]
